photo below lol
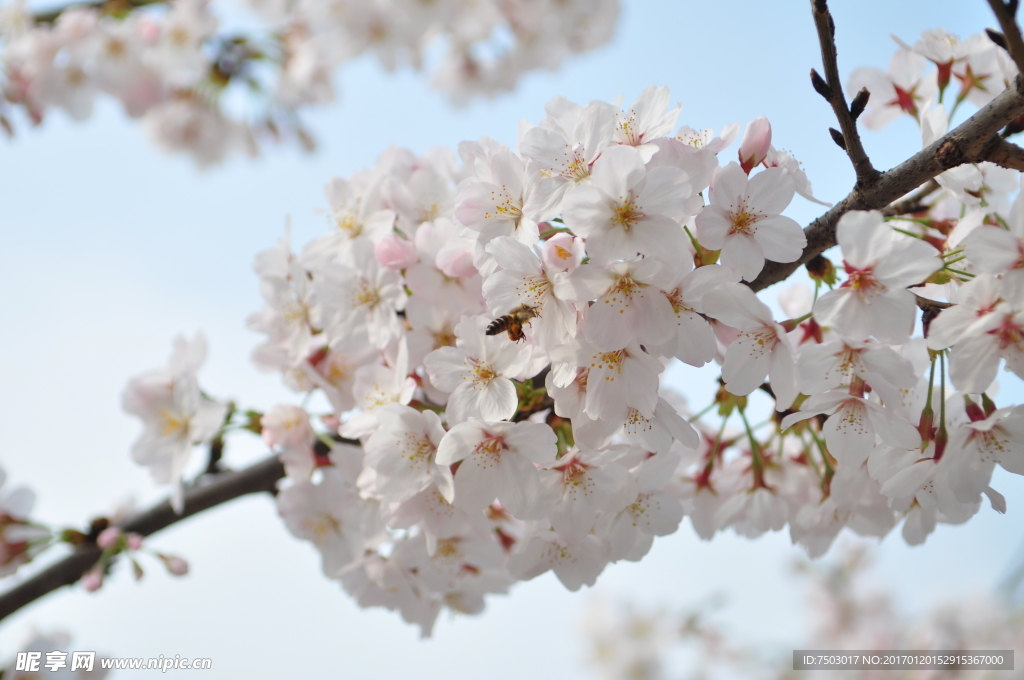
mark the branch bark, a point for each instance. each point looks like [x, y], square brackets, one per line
[973, 141]
[1007, 155]
[226, 486]
[823, 22]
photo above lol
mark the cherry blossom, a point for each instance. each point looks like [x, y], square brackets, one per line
[903, 89]
[582, 483]
[761, 349]
[497, 461]
[175, 415]
[879, 263]
[744, 220]
[626, 210]
[477, 372]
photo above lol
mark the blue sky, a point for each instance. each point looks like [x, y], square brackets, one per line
[111, 248]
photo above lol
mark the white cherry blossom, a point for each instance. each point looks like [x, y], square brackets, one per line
[496, 460]
[744, 220]
[477, 372]
[880, 264]
[175, 415]
[583, 483]
[626, 209]
[762, 348]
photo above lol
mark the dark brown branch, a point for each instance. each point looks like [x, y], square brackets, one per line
[226, 486]
[912, 203]
[1007, 155]
[1011, 31]
[972, 141]
[866, 172]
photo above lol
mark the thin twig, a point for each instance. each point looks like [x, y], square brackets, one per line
[866, 173]
[972, 141]
[912, 203]
[1011, 31]
[226, 486]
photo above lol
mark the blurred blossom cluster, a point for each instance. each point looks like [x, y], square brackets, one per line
[489, 330]
[200, 88]
[843, 610]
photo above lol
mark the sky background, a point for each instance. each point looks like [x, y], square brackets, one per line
[110, 249]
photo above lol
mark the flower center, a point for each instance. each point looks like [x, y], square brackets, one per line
[743, 222]
[482, 373]
[505, 207]
[675, 298]
[321, 527]
[627, 215]
[1009, 334]
[862, 280]
[609, 361]
[366, 295]
[492, 445]
[173, 425]
[349, 223]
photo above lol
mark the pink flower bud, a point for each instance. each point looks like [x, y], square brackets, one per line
[757, 139]
[134, 541]
[394, 252]
[92, 579]
[455, 261]
[175, 565]
[562, 252]
[108, 538]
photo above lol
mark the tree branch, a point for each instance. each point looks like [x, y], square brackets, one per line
[1011, 32]
[1007, 155]
[972, 141]
[226, 486]
[866, 173]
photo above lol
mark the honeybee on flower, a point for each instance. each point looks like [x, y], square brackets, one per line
[513, 322]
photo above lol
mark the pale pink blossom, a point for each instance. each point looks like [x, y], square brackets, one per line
[626, 209]
[394, 252]
[477, 372]
[762, 348]
[176, 416]
[497, 461]
[744, 220]
[880, 263]
[581, 484]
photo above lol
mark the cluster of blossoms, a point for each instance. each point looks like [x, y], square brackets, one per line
[490, 334]
[629, 643]
[171, 64]
[980, 68]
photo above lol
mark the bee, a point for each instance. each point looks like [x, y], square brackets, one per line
[513, 322]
